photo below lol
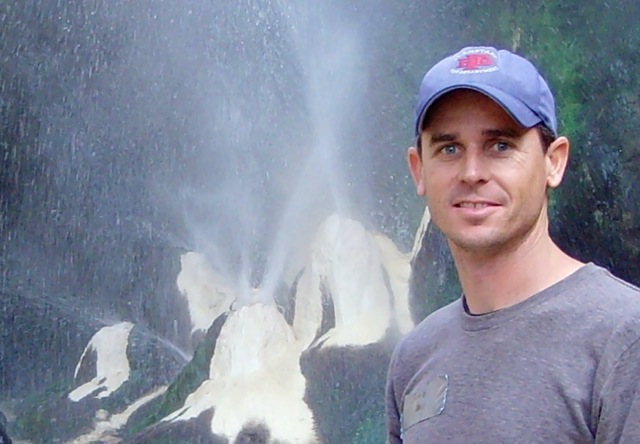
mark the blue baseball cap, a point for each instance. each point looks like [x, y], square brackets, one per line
[510, 80]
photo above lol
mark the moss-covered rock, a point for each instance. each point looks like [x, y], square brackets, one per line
[72, 408]
[50, 417]
[191, 376]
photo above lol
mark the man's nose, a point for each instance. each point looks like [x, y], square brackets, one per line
[473, 167]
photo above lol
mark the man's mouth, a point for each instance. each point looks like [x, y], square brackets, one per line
[474, 205]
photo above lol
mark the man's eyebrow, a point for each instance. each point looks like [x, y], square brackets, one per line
[502, 132]
[443, 137]
[509, 133]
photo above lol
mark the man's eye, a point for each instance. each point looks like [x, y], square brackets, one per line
[501, 146]
[449, 149]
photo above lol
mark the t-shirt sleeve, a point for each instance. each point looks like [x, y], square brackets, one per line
[391, 404]
[619, 416]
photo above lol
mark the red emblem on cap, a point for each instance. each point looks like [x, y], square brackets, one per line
[470, 62]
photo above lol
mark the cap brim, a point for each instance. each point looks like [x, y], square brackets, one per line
[512, 106]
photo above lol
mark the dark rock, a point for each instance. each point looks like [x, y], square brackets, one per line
[40, 342]
[433, 282]
[87, 369]
[253, 434]
[190, 377]
[194, 431]
[4, 436]
[328, 311]
[52, 416]
[345, 391]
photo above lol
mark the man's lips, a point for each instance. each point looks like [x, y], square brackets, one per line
[475, 204]
[475, 210]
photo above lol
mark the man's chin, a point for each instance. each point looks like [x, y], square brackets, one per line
[485, 244]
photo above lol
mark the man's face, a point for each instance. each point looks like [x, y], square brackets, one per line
[483, 175]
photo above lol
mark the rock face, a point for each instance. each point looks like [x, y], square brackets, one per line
[4, 437]
[49, 362]
[206, 292]
[310, 372]
[106, 354]
[345, 390]
[254, 383]
[361, 277]
[121, 369]
[434, 281]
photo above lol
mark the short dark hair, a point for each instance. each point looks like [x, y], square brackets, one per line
[547, 137]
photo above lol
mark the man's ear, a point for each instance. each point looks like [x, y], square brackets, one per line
[415, 166]
[557, 157]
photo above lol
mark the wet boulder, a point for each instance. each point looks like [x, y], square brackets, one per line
[254, 388]
[121, 368]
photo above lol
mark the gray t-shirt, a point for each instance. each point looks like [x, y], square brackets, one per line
[563, 366]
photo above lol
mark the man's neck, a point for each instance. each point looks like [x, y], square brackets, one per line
[494, 281]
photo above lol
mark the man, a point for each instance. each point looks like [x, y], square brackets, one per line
[541, 348]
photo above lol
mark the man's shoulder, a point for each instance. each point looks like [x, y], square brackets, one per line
[615, 304]
[607, 281]
[607, 295]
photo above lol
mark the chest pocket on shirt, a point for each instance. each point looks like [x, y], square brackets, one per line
[426, 400]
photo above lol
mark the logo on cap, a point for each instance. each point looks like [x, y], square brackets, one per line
[474, 61]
